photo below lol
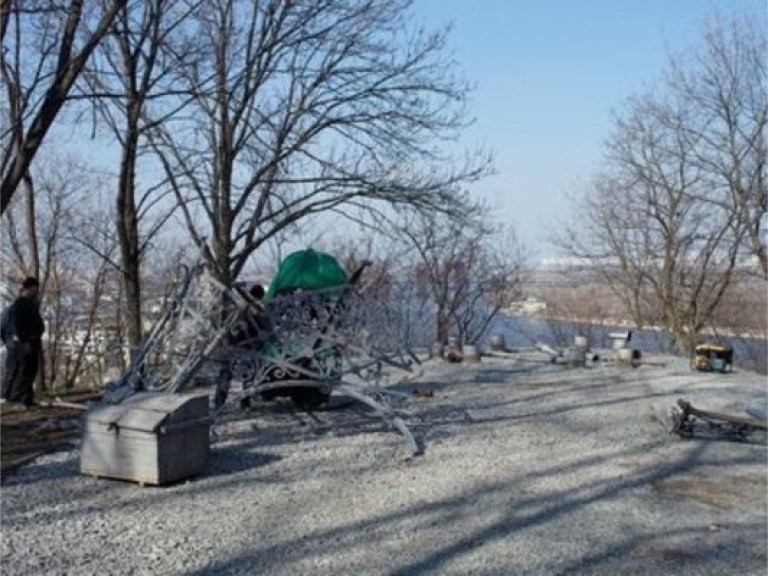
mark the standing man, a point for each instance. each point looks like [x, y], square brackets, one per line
[22, 333]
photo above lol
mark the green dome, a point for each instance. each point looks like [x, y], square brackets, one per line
[306, 270]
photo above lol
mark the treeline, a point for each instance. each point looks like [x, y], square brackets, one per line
[137, 132]
[674, 223]
[236, 126]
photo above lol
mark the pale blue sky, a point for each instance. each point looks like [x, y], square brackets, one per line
[548, 73]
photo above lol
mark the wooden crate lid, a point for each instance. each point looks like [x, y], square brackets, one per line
[148, 411]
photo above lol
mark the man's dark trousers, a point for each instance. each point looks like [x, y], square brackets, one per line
[27, 362]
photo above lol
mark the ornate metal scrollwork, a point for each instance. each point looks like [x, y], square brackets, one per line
[326, 340]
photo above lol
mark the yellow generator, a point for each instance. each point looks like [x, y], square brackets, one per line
[712, 358]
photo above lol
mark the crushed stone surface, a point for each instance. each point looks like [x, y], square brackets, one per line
[528, 468]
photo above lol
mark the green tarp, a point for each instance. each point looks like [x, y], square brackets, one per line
[306, 270]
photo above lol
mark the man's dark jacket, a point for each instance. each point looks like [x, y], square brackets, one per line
[28, 325]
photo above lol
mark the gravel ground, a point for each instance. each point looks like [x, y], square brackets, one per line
[529, 469]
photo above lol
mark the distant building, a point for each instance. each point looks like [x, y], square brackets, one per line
[565, 262]
[529, 306]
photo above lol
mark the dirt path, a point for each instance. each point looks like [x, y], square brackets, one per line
[27, 434]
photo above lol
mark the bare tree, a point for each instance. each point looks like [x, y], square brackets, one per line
[68, 288]
[32, 247]
[306, 107]
[647, 229]
[723, 87]
[465, 268]
[130, 85]
[495, 274]
[45, 47]
[683, 191]
[87, 312]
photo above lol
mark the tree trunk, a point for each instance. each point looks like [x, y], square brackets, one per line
[128, 235]
[443, 326]
[34, 266]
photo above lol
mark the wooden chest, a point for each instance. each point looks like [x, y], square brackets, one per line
[150, 438]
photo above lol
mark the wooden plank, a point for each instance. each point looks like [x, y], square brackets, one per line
[13, 464]
[688, 409]
[58, 402]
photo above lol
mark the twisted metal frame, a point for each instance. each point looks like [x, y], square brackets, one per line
[215, 335]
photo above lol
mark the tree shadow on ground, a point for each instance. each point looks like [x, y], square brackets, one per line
[522, 511]
[510, 509]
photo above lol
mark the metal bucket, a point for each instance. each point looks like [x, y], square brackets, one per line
[619, 344]
[497, 342]
[471, 354]
[624, 355]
